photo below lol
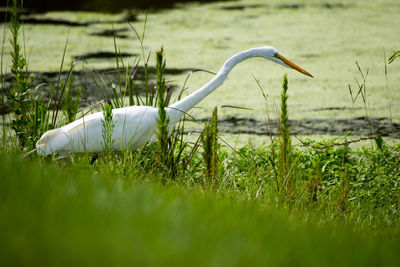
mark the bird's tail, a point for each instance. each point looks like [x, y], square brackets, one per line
[51, 142]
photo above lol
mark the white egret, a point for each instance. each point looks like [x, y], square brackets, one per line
[136, 125]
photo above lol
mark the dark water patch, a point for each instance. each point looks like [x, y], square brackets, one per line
[52, 21]
[293, 6]
[221, 47]
[103, 55]
[310, 55]
[242, 7]
[40, 20]
[290, 6]
[237, 7]
[31, 16]
[323, 5]
[334, 5]
[360, 126]
[118, 33]
[96, 85]
[5, 13]
[335, 108]
[103, 5]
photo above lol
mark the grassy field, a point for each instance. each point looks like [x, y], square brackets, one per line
[54, 215]
[209, 202]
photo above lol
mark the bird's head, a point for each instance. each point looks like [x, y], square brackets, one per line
[272, 54]
[52, 141]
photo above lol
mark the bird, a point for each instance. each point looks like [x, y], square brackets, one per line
[135, 126]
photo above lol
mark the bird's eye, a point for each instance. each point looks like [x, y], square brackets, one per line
[276, 55]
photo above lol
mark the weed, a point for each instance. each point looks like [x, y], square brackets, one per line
[343, 190]
[31, 112]
[61, 86]
[107, 129]
[19, 95]
[388, 96]
[395, 55]
[163, 119]
[170, 146]
[149, 95]
[2, 76]
[209, 139]
[285, 185]
[70, 106]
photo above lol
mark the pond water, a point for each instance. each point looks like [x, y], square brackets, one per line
[102, 5]
[326, 39]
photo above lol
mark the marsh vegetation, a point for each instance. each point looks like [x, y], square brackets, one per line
[266, 171]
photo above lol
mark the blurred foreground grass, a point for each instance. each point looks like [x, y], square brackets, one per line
[56, 216]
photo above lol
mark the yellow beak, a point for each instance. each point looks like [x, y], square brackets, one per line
[292, 65]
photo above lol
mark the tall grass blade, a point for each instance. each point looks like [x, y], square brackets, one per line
[210, 148]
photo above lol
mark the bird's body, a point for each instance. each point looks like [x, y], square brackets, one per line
[133, 126]
[136, 125]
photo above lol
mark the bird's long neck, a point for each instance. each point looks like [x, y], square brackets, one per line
[177, 109]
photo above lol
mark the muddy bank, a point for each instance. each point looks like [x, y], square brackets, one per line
[95, 85]
[360, 126]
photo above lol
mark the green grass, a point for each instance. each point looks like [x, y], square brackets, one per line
[204, 203]
[55, 215]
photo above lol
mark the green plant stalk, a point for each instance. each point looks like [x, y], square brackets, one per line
[69, 106]
[2, 71]
[163, 120]
[148, 94]
[363, 90]
[210, 147]
[17, 60]
[107, 129]
[117, 103]
[170, 146]
[18, 97]
[388, 96]
[61, 85]
[129, 78]
[129, 72]
[2, 83]
[396, 54]
[285, 141]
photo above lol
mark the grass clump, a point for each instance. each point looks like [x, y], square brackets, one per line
[170, 145]
[70, 106]
[209, 139]
[31, 116]
[163, 119]
[285, 178]
[30, 111]
[107, 129]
